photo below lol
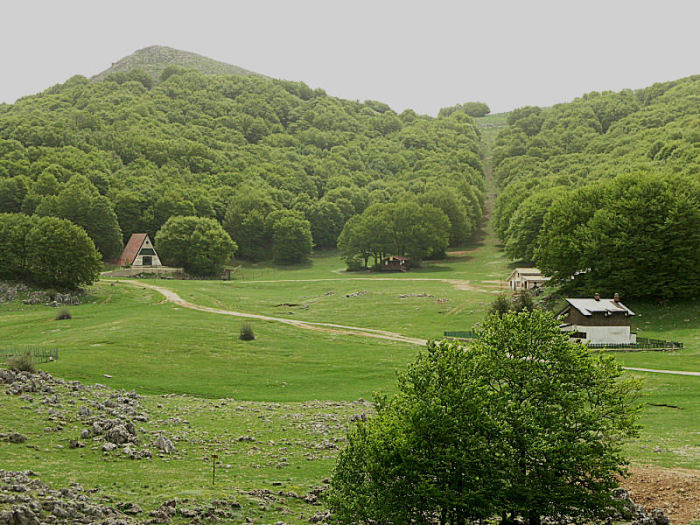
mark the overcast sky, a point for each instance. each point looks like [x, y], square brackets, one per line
[421, 55]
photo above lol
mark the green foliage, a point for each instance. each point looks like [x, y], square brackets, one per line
[174, 142]
[501, 305]
[473, 109]
[291, 237]
[523, 301]
[546, 153]
[246, 333]
[198, 244]
[405, 228]
[81, 203]
[521, 423]
[636, 235]
[46, 251]
[61, 254]
[22, 363]
[14, 250]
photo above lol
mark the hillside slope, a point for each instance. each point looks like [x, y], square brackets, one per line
[154, 59]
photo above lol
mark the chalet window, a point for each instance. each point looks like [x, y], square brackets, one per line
[147, 251]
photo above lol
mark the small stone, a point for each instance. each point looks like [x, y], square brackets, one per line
[15, 437]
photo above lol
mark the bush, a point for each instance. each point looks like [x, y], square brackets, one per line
[22, 363]
[500, 305]
[246, 332]
[523, 301]
[63, 314]
[521, 424]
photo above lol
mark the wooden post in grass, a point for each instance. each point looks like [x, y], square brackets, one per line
[214, 457]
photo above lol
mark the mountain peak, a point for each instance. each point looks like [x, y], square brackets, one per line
[154, 59]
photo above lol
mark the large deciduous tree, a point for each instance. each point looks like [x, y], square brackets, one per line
[522, 423]
[637, 234]
[61, 254]
[81, 203]
[198, 244]
[291, 237]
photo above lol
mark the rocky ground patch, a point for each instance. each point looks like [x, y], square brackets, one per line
[271, 458]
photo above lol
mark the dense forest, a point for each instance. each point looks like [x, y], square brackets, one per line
[273, 161]
[603, 193]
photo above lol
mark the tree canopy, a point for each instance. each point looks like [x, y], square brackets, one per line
[522, 423]
[198, 244]
[141, 149]
[46, 251]
[572, 195]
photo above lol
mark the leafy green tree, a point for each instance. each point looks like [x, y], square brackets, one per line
[476, 109]
[170, 203]
[134, 212]
[198, 244]
[245, 221]
[326, 223]
[501, 305]
[525, 224]
[521, 423]
[61, 254]
[563, 415]
[12, 193]
[14, 251]
[636, 234]
[291, 239]
[81, 203]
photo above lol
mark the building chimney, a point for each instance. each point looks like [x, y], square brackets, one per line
[616, 297]
[596, 296]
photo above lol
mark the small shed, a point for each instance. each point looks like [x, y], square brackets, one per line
[598, 321]
[526, 279]
[395, 263]
[139, 251]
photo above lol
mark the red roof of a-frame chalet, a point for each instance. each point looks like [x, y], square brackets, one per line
[131, 250]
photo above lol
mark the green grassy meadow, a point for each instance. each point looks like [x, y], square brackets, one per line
[186, 361]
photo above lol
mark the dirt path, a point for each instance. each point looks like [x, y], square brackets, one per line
[654, 371]
[174, 298]
[676, 491]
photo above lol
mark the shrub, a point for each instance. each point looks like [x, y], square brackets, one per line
[63, 314]
[500, 306]
[22, 363]
[523, 301]
[246, 332]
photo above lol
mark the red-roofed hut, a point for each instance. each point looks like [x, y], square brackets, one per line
[139, 251]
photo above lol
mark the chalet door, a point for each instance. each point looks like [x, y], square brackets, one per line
[147, 260]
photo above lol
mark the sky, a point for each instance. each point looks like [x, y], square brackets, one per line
[419, 55]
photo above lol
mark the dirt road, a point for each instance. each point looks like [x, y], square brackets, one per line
[173, 297]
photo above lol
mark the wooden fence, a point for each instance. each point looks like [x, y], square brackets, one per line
[39, 353]
[642, 343]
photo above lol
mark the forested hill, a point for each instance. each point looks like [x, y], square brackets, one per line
[606, 188]
[155, 59]
[126, 154]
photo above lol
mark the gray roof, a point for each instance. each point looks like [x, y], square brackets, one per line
[606, 306]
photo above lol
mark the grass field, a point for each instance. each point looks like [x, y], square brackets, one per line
[185, 361]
